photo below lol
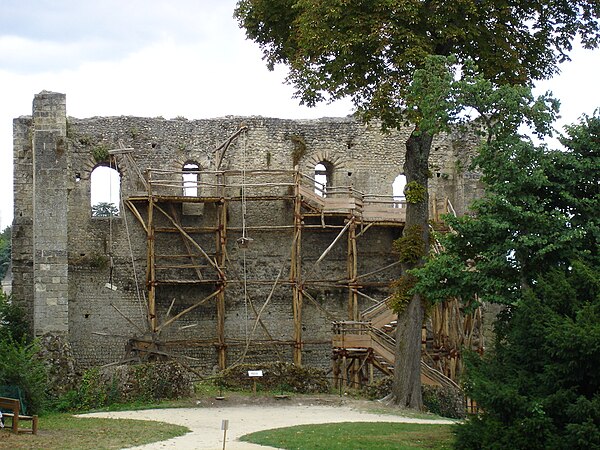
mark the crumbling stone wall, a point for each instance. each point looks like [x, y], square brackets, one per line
[61, 255]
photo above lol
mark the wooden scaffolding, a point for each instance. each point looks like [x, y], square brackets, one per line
[159, 199]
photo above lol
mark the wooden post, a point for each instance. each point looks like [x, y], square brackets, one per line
[151, 261]
[336, 370]
[352, 270]
[353, 313]
[220, 244]
[344, 371]
[296, 271]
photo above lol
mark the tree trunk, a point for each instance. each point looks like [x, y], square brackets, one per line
[406, 389]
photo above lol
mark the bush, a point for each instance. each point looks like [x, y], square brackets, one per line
[380, 388]
[441, 400]
[20, 366]
[19, 362]
[540, 386]
[12, 321]
[149, 382]
[444, 401]
[279, 375]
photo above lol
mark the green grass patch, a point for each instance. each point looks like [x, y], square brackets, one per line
[356, 435]
[66, 432]
[395, 411]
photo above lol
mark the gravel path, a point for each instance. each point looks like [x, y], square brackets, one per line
[205, 422]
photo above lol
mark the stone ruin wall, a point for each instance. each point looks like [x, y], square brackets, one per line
[60, 252]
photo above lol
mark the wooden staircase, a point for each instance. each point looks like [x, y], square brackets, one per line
[359, 346]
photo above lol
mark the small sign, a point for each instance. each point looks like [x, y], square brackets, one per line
[225, 424]
[255, 373]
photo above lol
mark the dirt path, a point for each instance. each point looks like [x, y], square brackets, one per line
[205, 421]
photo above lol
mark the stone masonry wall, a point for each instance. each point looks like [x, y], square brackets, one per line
[62, 255]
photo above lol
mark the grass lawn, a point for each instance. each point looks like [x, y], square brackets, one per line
[357, 435]
[66, 432]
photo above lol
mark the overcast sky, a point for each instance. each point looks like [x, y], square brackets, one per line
[166, 58]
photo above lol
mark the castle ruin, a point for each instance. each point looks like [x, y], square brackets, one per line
[237, 238]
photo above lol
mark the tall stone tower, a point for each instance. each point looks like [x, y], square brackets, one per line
[50, 181]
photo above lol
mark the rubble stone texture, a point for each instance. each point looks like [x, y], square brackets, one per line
[61, 254]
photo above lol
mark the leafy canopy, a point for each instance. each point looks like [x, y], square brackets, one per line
[539, 387]
[105, 209]
[539, 214]
[369, 50]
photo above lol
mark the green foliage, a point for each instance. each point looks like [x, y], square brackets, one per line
[444, 401]
[415, 192]
[540, 388]
[20, 366]
[134, 132]
[540, 212]
[149, 382]
[369, 52]
[410, 246]
[100, 153]
[5, 250]
[85, 140]
[105, 209]
[13, 323]
[532, 244]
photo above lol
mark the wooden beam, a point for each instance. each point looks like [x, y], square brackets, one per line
[150, 269]
[296, 271]
[191, 239]
[136, 214]
[221, 253]
[187, 310]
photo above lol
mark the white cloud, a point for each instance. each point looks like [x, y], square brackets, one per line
[216, 74]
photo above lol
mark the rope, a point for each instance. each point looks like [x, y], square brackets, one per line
[244, 145]
[245, 240]
[110, 220]
[245, 297]
[135, 277]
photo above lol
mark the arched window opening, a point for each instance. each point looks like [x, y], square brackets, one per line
[398, 191]
[190, 179]
[323, 178]
[105, 192]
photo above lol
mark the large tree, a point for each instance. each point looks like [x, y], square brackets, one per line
[532, 246]
[369, 51]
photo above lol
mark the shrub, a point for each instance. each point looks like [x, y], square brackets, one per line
[444, 401]
[380, 388]
[276, 376]
[148, 382]
[441, 400]
[13, 324]
[539, 387]
[19, 366]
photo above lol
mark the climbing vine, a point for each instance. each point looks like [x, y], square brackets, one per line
[411, 246]
[402, 293]
[299, 149]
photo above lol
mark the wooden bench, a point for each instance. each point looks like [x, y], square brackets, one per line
[14, 405]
